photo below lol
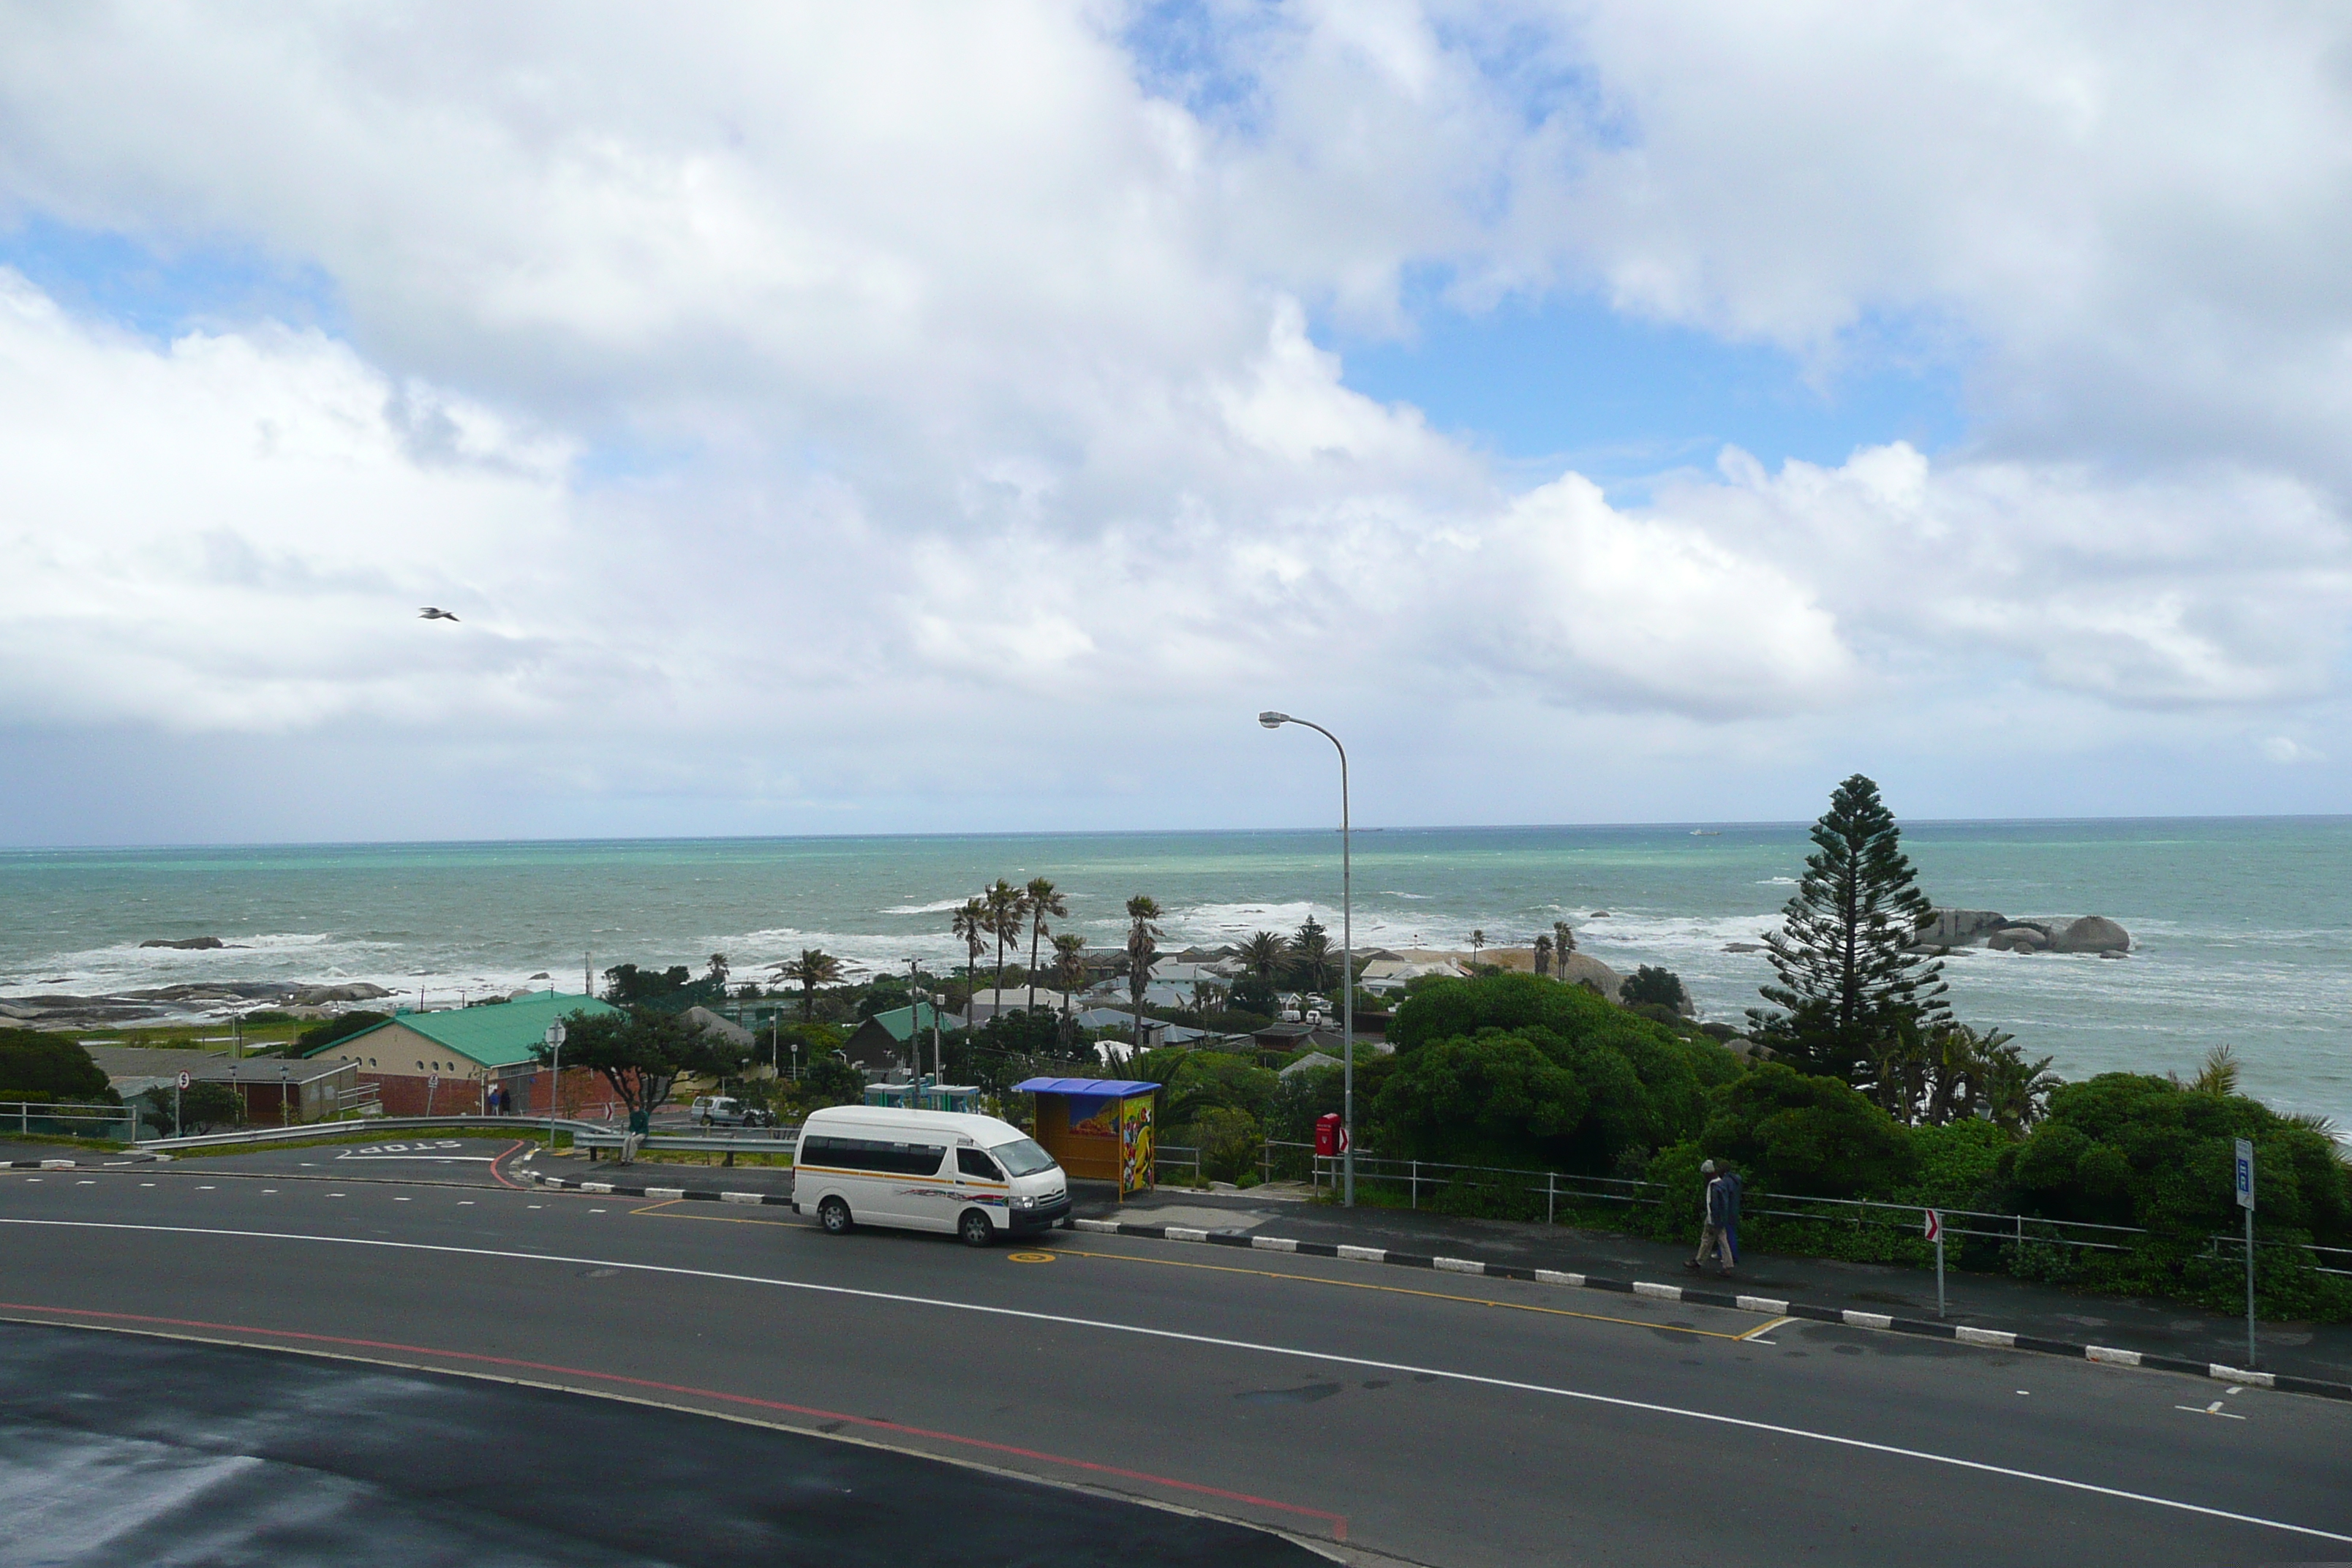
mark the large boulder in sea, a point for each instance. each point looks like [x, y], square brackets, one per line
[1960, 928]
[2019, 938]
[355, 991]
[1583, 969]
[192, 943]
[2091, 934]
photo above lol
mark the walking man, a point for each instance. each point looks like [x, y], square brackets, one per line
[1713, 1235]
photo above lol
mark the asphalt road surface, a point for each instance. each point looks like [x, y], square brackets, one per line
[1426, 1417]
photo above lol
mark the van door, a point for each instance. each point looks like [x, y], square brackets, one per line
[917, 1192]
[981, 1184]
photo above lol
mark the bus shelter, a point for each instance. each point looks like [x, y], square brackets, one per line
[1097, 1128]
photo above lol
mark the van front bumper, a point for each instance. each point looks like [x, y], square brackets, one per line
[1044, 1217]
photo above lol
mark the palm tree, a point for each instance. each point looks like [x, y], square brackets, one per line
[812, 968]
[1142, 941]
[1263, 955]
[1043, 901]
[1543, 954]
[1006, 906]
[1477, 945]
[971, 922]
[1563, 942]
[1069, 964]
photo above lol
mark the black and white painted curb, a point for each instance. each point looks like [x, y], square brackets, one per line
[1998, 1339]
[609, 1189]
[1995, 1338]
[38, 1166]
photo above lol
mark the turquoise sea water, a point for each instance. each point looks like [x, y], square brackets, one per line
[2243, 926]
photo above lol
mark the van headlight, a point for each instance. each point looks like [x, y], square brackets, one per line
[1024, 1203]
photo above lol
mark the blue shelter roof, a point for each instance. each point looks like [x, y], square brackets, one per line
[1099, 1088]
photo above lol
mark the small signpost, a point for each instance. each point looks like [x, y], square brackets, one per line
[2245, 1178]
[1934, 1229]
[432, 1085]
[177, 1090]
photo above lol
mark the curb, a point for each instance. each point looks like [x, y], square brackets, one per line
[609, 1189]
[1993, 1339]
[1997, 1339]
[38, 1166]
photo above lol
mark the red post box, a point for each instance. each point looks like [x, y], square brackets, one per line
[1330, 1138]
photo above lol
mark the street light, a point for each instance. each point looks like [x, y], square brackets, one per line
[554, 1078]
[1274, 720]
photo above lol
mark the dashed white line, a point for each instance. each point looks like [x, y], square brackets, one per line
[1253, 1347]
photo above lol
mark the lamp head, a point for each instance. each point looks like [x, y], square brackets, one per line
[1272, 720]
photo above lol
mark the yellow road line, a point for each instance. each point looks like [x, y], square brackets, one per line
[1758, 1333]
[1402, 1290]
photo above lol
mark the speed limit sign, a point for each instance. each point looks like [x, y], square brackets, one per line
[183, 1080]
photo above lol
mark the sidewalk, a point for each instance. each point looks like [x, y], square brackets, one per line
[1993, 1301]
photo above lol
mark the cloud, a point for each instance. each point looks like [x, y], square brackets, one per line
[823, 380]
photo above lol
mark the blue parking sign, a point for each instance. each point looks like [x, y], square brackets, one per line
[2245, 1174]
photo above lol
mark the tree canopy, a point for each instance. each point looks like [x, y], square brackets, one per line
[50, 1066]
[1849, 979]
[642, 1052]
[1510, 1069]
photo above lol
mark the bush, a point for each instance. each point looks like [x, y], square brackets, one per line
[34, 1063]
[1517, 1069]
[1653, 987]
[1815, 1136]
[333, 1029]
[1228, 1141]
[204, 1108]
[829, 1080]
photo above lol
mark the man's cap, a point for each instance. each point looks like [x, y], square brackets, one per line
[1706, 1167]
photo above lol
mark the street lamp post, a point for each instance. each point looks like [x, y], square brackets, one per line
[1274, 720]
[555, 1078]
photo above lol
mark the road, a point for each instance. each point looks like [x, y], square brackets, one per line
[1428, 1418]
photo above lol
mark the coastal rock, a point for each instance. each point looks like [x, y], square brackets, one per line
[354, 991]
[1741, 1045]
[2018, 939]
[1958, 928]
[188, 942]
[2091, 934]
[1743, 947]
[1583, 969]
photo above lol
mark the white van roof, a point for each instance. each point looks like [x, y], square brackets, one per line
[985, 1131]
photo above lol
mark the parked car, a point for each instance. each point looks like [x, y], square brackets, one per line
[725, 1110]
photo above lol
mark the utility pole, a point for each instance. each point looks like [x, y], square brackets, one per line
[1274, 720]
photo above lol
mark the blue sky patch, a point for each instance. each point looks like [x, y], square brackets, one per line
[1570, 383]
[160, 291]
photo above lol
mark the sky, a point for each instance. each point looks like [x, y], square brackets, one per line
[887, 419]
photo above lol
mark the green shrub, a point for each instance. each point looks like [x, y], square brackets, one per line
[35, 1063]
[1794, 1132]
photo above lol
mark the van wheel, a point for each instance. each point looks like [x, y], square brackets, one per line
[975, 1229]
[833, 1215]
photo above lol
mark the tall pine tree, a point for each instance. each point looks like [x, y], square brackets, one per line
[1849, 979]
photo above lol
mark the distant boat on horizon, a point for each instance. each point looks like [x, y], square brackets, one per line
[1707, 833]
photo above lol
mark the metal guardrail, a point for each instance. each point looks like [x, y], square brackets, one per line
[782, 1140]
[262, 1137]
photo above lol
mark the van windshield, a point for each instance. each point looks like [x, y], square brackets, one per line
[1022, 1157]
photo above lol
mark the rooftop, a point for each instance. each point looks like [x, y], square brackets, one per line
[502, 1034]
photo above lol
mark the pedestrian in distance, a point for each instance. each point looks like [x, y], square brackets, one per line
[1730, 1177]
[1715, 1217]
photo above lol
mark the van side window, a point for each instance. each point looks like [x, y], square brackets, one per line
[973, 1162]
[875, 1154]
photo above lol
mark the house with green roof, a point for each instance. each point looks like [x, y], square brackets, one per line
[881, 1040]
[450, 1063]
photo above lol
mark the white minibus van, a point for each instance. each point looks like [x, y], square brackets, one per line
[973, 1176]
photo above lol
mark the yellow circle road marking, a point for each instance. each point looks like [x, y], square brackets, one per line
[1028, 1258]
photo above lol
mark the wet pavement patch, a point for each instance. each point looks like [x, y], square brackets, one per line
[119, 1449]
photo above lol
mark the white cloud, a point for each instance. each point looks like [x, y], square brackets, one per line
[970, 394]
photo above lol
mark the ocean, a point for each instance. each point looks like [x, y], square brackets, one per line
[2243, 928]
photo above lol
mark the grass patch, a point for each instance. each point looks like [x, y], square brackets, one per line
[699, 1157]
[62, 1140]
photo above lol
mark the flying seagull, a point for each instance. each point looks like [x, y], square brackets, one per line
[431, 614]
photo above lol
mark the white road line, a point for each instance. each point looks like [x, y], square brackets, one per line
[1613, 1401]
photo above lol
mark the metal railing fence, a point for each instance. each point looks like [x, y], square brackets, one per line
[117, 1124]
[1422, 1181]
